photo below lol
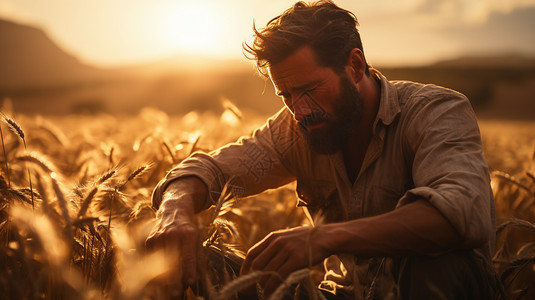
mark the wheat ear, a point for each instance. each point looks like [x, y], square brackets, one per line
[91, 195]
[5, 157]
[18, 130]
[135, 174]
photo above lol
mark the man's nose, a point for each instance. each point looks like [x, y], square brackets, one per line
[304, 105]
[302, 108]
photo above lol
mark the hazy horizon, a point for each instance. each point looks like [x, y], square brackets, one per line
[394, 33]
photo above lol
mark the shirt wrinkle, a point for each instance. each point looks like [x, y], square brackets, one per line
[403, 159]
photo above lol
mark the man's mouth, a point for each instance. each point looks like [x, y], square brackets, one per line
[316, 125]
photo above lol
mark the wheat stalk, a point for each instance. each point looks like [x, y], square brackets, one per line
[106, 176]
[138, 143]
[64, 206]
[5, 157]
[135, 174]
[226, 194]
[169, 151]
[373, 285]
[18, 130]
[87, 200]
[44, 195]
[194, 145]
[15, 128]
[293, 278]
[511, 179]
[37, 159]
[54, 132]
[515, 222]
[109, 154]
[241, 283]
[228, 105]
[108, 236]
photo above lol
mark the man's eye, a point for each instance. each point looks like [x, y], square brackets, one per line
[308, 92]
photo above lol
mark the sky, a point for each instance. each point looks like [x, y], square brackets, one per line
[112, 33]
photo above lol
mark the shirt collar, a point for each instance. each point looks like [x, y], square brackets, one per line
[389, 106]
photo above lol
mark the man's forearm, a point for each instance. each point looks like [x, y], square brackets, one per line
[188, 193]
[416, 228]
[176, 229]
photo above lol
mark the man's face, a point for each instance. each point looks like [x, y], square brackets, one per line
[326, 105]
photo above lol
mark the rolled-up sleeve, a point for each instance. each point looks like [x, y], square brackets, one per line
[247, 167]
[449, 169]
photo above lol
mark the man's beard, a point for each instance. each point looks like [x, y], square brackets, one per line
[340, 125]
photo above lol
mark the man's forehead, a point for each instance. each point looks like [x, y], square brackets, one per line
[296, 69]
[297, 73]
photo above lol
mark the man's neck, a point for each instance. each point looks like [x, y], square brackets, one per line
[357, 145]
[370, 90]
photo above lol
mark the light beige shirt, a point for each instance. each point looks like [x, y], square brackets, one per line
[425, 145]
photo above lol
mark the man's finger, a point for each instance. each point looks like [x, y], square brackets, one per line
[174, 276]
[270, 260]
[272, 281]
[176, 289]
[255, 251]
[188, 253]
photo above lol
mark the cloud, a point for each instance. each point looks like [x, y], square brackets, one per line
[436, 6]
[500, 32]
[470, 11]
[430, 30]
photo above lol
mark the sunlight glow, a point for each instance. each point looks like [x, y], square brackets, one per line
[193, 28]
[123, 32]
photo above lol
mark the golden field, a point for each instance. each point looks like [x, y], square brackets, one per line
[75, 205]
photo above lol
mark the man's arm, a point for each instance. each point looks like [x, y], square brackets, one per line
[416, 228]
[175, 228]
[249, 166]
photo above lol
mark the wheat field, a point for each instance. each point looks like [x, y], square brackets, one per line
[75, 206]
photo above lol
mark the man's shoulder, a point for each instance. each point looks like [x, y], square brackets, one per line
[414, 95]
[414, 90]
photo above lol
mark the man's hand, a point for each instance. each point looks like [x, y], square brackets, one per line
[284, 252]
[176, 231]
[416, 228]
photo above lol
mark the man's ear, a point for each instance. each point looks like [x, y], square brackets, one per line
[356, 66]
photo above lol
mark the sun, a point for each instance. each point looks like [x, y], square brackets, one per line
[194, 27]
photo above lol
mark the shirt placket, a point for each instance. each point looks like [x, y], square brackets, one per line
[359, 188]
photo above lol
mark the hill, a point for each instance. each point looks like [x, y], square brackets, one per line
[505, 61]
[29, 59]
[500, 87]
[41, 78]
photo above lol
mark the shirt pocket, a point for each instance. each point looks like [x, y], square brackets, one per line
[384, 199]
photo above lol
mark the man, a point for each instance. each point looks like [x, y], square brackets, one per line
[394, 168]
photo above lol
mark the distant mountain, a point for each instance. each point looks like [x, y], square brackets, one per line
[40, 77]
[186, 62]
[491, 61]
[30, 59]
[497, 86]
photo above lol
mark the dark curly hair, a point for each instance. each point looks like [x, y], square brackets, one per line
[329, 30]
